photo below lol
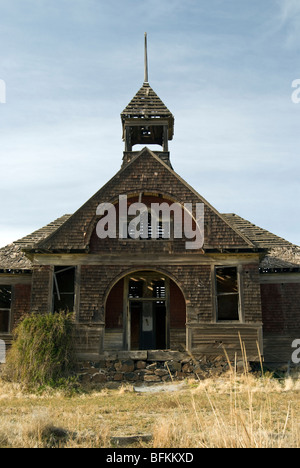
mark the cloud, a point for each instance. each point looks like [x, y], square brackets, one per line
[289, 21]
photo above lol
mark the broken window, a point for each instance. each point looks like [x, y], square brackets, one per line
[227, 294]
[143, 285]
[5, 308]
[136, 288]
[149, 228]
[159, 289]
[64, 289]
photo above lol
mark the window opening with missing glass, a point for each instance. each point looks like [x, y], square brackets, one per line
[151, 228]
[64, 289]
[5, 308]
[227, 292]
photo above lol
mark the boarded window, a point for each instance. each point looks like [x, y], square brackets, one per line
[64, 289]
[227, 294]
[5, 308]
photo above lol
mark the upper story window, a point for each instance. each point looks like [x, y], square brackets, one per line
[64, 289]
[149, 228]
[227, 292]
[147, 286]
[5, 308]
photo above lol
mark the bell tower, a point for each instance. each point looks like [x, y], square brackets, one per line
[147, 121]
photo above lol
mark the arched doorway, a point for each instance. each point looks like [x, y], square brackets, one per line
[145, 310]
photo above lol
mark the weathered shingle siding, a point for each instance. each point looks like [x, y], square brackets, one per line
[281, 319]
[281, 307]
[42, 288]
[21, 302]
[251, 293]
[195, 283]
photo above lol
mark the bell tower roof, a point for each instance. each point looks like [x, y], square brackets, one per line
[146, 120]
[147, 105]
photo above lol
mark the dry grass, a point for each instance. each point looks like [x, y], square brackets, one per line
[239, 412]
[235, 411]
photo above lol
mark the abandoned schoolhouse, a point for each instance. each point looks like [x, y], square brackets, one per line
[148, 296]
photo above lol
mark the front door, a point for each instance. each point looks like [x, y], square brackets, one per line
[147, 325]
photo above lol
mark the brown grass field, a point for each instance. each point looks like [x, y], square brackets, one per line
[235, 411]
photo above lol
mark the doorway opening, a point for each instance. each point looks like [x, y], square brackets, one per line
[148, 311]
[145, 310]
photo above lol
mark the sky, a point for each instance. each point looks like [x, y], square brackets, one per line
[224, 68]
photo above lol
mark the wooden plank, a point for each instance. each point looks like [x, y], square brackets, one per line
[280, 278]
[146, 259]
[113, 340]
[7, 280]
[161, 355]
[134, 355]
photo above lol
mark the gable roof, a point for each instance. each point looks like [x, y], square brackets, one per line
[281, 254]
[12, 256]
[146, 172]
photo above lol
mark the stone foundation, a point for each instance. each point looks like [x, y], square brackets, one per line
[138, 371]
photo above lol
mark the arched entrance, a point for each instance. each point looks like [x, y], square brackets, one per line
[145, 310]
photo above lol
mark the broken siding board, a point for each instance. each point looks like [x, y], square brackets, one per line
[214, 341]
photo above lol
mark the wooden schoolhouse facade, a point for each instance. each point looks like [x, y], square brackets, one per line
[145, 294]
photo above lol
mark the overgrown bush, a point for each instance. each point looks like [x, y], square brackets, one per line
[42, 352]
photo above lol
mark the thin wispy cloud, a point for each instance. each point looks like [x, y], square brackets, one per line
[289, 22]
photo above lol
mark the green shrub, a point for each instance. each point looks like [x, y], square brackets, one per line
[42, 351]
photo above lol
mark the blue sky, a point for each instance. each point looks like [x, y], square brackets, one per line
[223, 67]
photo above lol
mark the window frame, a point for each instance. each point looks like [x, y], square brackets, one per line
[56, 291]
[10, 310]
[217, 295]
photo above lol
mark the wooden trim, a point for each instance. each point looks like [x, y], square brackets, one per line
[189, 337]
[7, 280]
[241, 294]
[280, 278]
[77, 288]
[50, 290]
[231, 326]
[145, 122]
[126, 315]
[214, 299]
[145, 259]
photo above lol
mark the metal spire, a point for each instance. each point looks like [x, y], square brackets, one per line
[146, 60]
